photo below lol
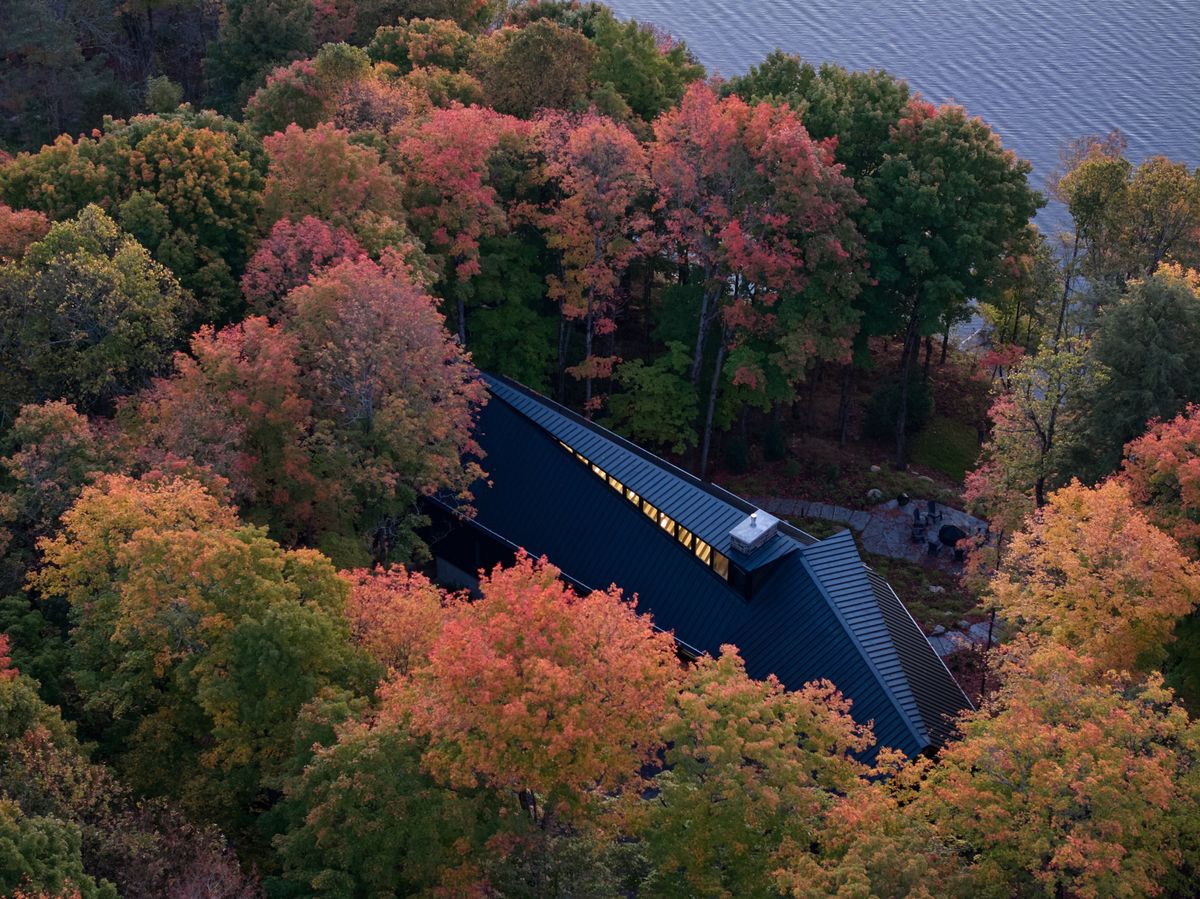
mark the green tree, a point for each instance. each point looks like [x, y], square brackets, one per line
[57, 75]
[367, 820]
[513, 323]
[657, 405]
[41, 854]
[307, 92]
[195, 640]
[648, 70]
[414, 43]
[1150, 342]
[750, 772]
[1127, 220]
[944, 208]
[162, 94]
[187, 185]
[473, 15]
[540, 66]
[255, 37]
[91, 316]
[49, 788]
[1037, 423]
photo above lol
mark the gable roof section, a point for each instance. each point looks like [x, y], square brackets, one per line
[819, 614]
[845, 581]
[704, 509]
[938, 705]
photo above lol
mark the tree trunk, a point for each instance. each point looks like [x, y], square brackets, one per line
[563, 338]
[1039, 492]
[1016, 320]
[587, 357]
[711, 410]
[912, 345]
[701, 334]
[945, 344]
[462, 321]
[928, 355]
[1070, 274]
[844, 404]
[810, 415]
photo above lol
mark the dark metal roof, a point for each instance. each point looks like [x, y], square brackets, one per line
[704, 509]
[820, 613]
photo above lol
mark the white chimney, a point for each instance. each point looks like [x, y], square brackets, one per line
[753, 533]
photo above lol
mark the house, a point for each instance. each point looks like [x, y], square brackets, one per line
[705, 564]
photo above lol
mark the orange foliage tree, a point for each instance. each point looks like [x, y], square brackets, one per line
[237, 407]
[600, 173]
[400, 395]
[762, 212]
[195, 640]
[451, 202]
[1092, 573]
[395, 615]
[539, 691]
[1069, 787]
[1162, 473]
[289, 255]
[321, 173]
[18, 229]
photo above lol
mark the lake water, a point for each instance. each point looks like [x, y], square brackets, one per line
[1038, 71]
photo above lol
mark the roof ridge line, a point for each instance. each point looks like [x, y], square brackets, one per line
[917, 729]
[709, 487]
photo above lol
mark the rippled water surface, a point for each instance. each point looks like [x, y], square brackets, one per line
[1038, 72]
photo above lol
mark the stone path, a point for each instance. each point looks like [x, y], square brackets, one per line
[798, 508]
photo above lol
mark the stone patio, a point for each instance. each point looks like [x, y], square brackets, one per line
[885, 529]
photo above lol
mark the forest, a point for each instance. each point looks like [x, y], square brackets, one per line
[253, 254]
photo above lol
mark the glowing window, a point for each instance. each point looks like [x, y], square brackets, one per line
[720, 564]
[703, 551]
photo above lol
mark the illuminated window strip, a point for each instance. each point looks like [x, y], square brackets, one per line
[704, 552]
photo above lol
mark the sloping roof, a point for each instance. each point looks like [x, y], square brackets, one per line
[704, 509]
[819, 612]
